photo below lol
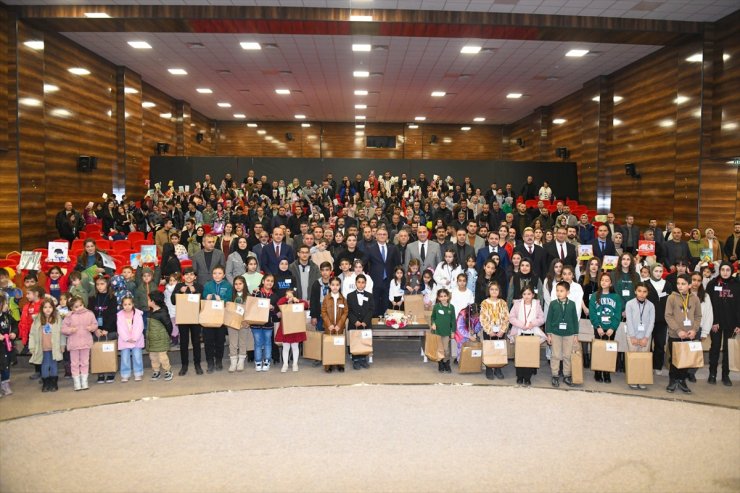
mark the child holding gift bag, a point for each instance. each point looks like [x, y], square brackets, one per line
[334, 312]
[605, 312]
[217, 289]
[103, 305]
[683, 316]
[494, 318]
[130, 323]
[238, 337]
[290, 341]
[443, 325]
[79, 326]
[640, 314]
[263, 333]
[527, 318]
[45, 343]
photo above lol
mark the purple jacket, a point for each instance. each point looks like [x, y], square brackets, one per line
[85, 323]
[134, 331]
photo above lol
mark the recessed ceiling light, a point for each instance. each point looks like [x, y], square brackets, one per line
[361, 47]
[666, 123]
[360, 18]
[360, 126]
[464, 129]
[411, 125]
[262, 132]
[680, 99]
[514, 95]
[250, 45]
[148, 104]
[479, 119]
[559, 121]
[361, 73]
[282, 91]
[470, 49]
[204, 90]
[696, 57]
[252, 125]
[97, 15]
[360, 92]
[577, 53]
[300, 117]
[130, 90]
[360, 133]
[140, 45]
[239, 115]
[30, 101]
[165, 115]
[177, 71]
[78, 71]
[438, 94]
[360, 106]
[50, 88]
[305, 125]
[359, 117]
[60, 112]
[35, 45]
[420, 118]
[616, 122]
[223, 105]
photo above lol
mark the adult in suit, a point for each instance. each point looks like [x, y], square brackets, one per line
[426, 251]
[461, 246]
[273, 251]
[383, 257]
[602, 245]
[206, 259]
[561, 249]
[535, 253]
[492, 246]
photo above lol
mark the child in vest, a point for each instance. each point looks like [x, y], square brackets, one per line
[361, 306]
[216, 289]
[561, 327]
[443, 325]
[78, 326]
[130, 324]
[45, 343]
[103, 304]
[158, 336]
[8, 334]
[56, 282]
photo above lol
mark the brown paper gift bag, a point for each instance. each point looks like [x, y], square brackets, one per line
[527, 352]
[638, 368]
[495, 353]
[604, 355]
[471, 357]
[333, 350]
[576, 365]
[250, 339]
[509, 348]
[413, 305]
[257, 310]
[312, 345]
[706, 344]
[585, 330]
[433, 348]
[293, 316]
[212, 313]
[104, 357]
[733, 353]
[234, 315]
[687, 354]
[187, 308]
[361, 342]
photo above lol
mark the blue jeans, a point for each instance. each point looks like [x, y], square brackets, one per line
[262, 344]
[126, 356]
[48, 365]
[5, 375]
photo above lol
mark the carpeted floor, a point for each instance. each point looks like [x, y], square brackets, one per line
[377, 438]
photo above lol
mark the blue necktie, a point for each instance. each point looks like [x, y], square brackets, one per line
[382, 253]
[601, 243]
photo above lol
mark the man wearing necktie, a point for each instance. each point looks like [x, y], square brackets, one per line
[491, 247]
[383, 257]
[561, 249]
[602, 245]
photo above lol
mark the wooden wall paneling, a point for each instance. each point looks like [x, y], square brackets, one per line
[130, 118]
[9, 214]
[524, 130]
[567, 134]
[604, 138]
[343, 140]
[201, 125]
[587, 160]
[159, 126]
[481, 142]
[4, 81]
[311, 140]
[542, 126]
[283, 139]
[236, 138]
[185, 135]
[726, 100]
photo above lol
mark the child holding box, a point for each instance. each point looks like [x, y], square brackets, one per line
[217, 289]
[188, 332]
[561, 327]
[290, 341]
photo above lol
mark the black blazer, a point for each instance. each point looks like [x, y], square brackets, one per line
[608, 250]
[359, 313]
[553, 252]
[376, 266]
[538, 258]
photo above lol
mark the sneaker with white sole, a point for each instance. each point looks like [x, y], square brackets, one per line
[642, 387]
[659, 372]
[258, 366]
[156, 375]
[124, 379]
[266, 365]
[168, 376]
[284, 368]
[137, 378]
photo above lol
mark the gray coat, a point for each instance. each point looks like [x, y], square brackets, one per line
[433, 255]
[313, 275]
[201, 270]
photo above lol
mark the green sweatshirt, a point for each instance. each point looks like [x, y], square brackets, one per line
[623, 286]
[607, 313]
[565, 313]
[443, 317]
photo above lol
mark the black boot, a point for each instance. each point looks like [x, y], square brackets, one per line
[219, 365]
[712, 379]
[441, 367]
[607, 377]
[499, 373]
[726, 381]
[44, 384]
[448, 369]
[684, 388]
[198, 369]
[672, 384]
[489, 373]
[598, 377]
[183, 370]
[54, 384]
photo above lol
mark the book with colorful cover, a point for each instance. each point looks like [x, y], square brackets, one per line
[58, 251]
[148, 254]
[646, 248]
[706, 255]
[135, 260]
[585, 252]
[609, 262]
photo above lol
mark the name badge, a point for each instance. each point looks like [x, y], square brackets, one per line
[340, 306]
[562, 326]
[100, 321]
[718, 288]
[441, 312]
[625, 292]
[495, 328]
[605, 319]
[662, 295]
[687, 323]
[641, 328]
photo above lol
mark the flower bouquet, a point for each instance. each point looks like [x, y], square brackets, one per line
[395, 319]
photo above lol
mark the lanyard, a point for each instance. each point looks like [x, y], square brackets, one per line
[526, 313]
[641, 304]
[685, 304]
[563, 306]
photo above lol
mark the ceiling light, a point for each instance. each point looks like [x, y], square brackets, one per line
[305, 125]
[680, 99]
[360, 126]
[300, 117]
[360, 106]
[577, 53]
[177, 71]
[262, 132]
[250, 45]
[360, 92]
[130, 90]
[470, 49]
[725, 57]
[165, 115]
[60, 112]
[140, 45]
[729, 126]
[616, 122]
[360, 18]
[438, 94]
[50, 88]
[666, 123]
[559, 121]
[251, 125]
[359, 117]
[447, 140]
[30, 101]
[514, 95]
[464, 129]
[35, 45]
[204, 90]
[479, 119]
[420, 118]
[696, 57]
[361, 73]
[239, 115]
[282, 91]
[411, 125]
[361, 47]
[78, 71]
[148, 104]
[223, 105]
[97, 15]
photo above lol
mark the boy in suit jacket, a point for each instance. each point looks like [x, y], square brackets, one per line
[361, 306]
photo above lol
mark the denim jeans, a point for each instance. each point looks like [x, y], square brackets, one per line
[48, 365]
[262, 344]
[126, 356]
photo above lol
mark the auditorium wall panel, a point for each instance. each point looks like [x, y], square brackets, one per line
[160, 125]
[9, 219]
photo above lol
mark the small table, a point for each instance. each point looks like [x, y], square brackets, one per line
[411, 330]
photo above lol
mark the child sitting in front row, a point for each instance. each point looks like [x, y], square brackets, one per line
[45, 344]
[158, 336]
[561, 327]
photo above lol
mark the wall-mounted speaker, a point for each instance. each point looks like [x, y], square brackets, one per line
[562, 152]
[199, 137]
[520, 142]
[289, 137]
[162, 148]
[631, 170]
[84, 164]
[433, 139]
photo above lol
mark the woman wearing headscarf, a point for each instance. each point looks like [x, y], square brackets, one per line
[236, 264]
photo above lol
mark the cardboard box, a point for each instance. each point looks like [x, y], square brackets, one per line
[257, 310]
[433, 348]
[361, 342]
[312, 345]
[293, 316]
[471, 357]
[187, 308]
[413, 305]
[495, 353]
[733, 350]
[527, 352]
[104, 357]
[576, 365]
[234, 315]
[638, 368]
[687, 354]
[333, 350]
[212, 313]
[604, 355]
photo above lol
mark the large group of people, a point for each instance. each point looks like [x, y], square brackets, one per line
[489, 263]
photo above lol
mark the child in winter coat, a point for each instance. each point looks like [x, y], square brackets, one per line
[130, 324]
[34, 295]
[78, 326]
[158, 336]
[56, 282]
[527, 318]
[494, 319]
[238, 337]
[172, 281]
[8, 334]
[334, 312]
[45, 343]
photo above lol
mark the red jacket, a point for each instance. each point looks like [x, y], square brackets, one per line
[30, 310]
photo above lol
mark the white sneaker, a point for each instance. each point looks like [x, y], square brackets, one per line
[258, 366]
[295, 365]
[642, 387]
[284, 368]
[659, 373]
[266, 365]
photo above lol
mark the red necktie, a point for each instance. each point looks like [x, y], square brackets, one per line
[277, 250]
[562, 253]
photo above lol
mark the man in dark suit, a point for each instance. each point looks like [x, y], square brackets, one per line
[561, 249]
[274, 251]
[490, 248]
[361, 306]
[383, 257]
[602, 244]
[461, 246]
[533, 252]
